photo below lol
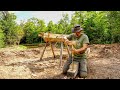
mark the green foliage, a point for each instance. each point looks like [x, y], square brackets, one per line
[9, 28]
[63, 25]
[19, 33]
[95, 26]
[20, 47]
[51, 27]
[1, 38]
[114, 25]
[32, 28]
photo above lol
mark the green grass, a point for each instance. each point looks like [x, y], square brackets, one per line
[21, 47]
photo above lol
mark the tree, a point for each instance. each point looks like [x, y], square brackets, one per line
[51, 27]
[95, 26]
[8, 26]
[32, 28]
[63, 24]
[114, 25]
[19, 33]
[1, 38]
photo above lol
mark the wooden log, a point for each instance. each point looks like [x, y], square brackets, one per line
[49, 37]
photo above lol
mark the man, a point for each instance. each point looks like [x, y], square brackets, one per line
[80, 42]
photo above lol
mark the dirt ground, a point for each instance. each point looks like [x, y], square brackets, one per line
[103, 63]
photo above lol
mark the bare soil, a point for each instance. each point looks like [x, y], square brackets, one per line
[103, 63]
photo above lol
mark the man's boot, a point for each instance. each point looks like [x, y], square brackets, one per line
[83, 74]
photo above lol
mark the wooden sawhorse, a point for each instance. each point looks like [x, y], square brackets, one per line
[61, 51]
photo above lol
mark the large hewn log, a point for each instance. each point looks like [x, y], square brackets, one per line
[49, 37]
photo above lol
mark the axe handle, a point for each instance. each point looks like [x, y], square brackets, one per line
[72, 58]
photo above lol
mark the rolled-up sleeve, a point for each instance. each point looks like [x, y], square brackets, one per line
[69, 37]
[86, 40]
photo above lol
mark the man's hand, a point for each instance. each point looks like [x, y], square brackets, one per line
[81, 50]
[73, 43]
[75, 51]
[67, 42]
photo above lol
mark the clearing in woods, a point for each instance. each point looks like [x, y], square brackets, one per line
[103, 63]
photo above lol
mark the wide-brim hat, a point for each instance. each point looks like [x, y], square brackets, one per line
[76, 28]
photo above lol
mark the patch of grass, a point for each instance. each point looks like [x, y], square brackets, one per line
[21, 47]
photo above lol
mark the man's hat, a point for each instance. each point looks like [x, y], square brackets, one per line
[76, 28]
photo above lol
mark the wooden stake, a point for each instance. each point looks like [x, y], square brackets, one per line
[52, 49]
[68, 50]
[61, 54]
[72, 59]
[43, 51]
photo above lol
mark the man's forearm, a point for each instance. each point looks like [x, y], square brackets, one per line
[69, 42]
[81, 50]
